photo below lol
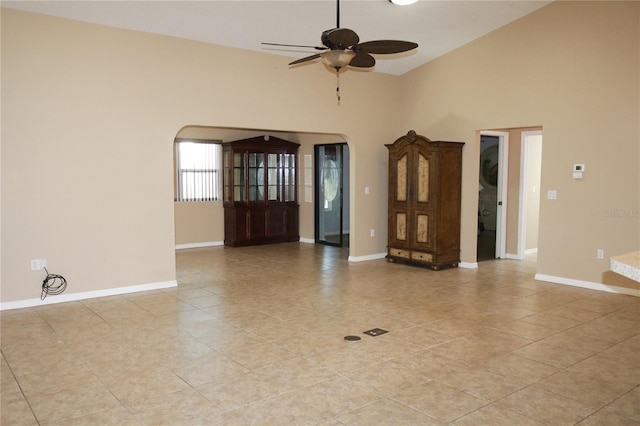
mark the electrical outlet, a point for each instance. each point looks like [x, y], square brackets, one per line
[600, 254]
[373, 232]
[38, 264]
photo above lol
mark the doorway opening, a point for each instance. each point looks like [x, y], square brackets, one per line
[529, 191]
[332, 194]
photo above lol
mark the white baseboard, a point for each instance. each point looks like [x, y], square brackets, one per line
[367, 257]
[307, 240]
[199, 245]
[468, 265]
[70, 297]
[588, 284]
[516, 257]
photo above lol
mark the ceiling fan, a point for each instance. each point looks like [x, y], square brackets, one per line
[342, 47]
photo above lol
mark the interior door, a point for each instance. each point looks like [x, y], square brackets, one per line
[488, 197]
[332, 213]
[492, 197]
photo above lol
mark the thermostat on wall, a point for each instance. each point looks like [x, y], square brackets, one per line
[578, 170]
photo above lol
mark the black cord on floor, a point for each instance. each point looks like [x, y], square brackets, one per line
[54, 284]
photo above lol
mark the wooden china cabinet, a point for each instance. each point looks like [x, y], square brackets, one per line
[425, 180]
[260, 191]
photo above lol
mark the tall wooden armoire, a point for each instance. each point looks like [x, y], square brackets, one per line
[260, 191]
[425, 179]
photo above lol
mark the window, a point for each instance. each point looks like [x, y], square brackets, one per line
[197, 170]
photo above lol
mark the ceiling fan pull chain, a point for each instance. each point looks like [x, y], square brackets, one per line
[338, 86]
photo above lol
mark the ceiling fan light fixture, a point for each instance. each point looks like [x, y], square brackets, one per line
[403, 2]
[337, 58]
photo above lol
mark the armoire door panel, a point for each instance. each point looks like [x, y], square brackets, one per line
[402, 182]
[423, 178]
[401, 226]
[422, 228]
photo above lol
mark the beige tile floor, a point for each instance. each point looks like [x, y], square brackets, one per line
[256, 336]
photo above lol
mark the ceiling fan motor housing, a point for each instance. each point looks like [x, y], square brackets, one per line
[339, 38]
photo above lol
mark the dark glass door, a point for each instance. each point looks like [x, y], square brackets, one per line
[331, 198]
[488, 197]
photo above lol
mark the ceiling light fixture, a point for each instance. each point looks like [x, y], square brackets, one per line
[402, 2]
[337, 58]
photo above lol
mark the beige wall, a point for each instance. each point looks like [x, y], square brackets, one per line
[199, 223]
[513, 191]
[572, 68]
[89, 115]
[534, 160]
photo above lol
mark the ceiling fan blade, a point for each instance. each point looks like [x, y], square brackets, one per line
[386, 46]
[305, 59]
[296, 45]
[339, 38]
[362, 60]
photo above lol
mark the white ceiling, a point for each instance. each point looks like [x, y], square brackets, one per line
[437, 26]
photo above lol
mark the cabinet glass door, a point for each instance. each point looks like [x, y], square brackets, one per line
[226, 162]
[238, 177]
[290, 177]
[274, 177]
[256, 176]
